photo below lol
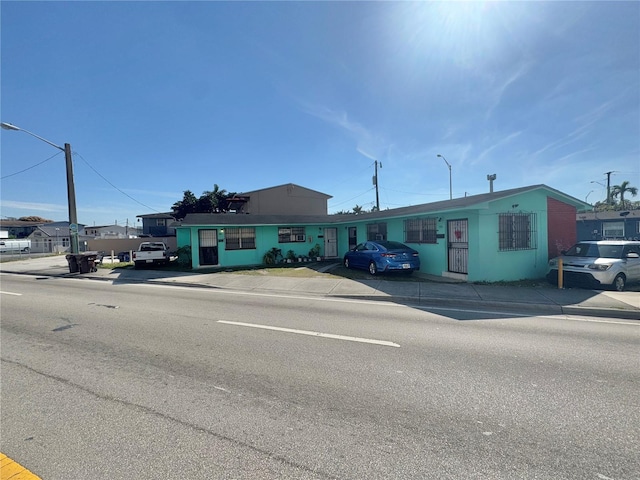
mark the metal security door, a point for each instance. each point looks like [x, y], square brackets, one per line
[458, 231]
[330, 242]
[208, 240]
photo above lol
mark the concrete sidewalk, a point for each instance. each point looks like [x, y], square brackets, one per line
[433, 291]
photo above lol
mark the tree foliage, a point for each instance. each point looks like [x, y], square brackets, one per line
[357, 210]
[34, 218]
[211, 201]
[618, 201]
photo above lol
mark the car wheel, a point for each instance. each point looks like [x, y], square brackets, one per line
[619, 282]
[346, 263]
[373, 269]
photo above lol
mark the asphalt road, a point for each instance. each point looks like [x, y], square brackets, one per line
[141, 381]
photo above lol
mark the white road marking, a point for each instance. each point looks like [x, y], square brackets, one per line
[313, 334]
[11, 293]
[593, 320]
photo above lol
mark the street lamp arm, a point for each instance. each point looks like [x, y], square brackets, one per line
[71, 189]
[8, 126]
[445, 161]
[450, 186]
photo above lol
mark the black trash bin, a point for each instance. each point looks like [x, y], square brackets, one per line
[72, 260]
[87, 262]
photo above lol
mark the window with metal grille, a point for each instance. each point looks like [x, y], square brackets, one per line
[613, 230]
[240, 238]
[517, 231]
[420, 230]
[291, 234]
[376, 231]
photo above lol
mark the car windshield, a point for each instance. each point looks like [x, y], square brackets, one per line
[594, 250]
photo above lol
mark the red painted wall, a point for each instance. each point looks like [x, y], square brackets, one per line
[561, 226]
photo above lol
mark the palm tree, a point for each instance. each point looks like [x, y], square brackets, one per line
[620, 190]
[213, 201]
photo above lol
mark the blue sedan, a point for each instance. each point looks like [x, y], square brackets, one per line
[382, 256]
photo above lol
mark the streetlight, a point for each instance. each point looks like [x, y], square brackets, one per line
[450, 190]
[71, 191]
[586, 199]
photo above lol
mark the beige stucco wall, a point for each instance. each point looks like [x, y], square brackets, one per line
[287, 200]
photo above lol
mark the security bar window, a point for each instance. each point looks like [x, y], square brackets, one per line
[613, 230]
[420, 230]
[517, 231]
[240, 238]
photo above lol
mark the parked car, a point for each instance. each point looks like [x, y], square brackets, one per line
[7, 245]
[604, 263]
[382, 256]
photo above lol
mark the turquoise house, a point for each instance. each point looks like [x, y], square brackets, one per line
[498, 236]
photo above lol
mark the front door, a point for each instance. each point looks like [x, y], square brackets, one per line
[331, 242]
[208, 241]
[353, 237]
[458, 242]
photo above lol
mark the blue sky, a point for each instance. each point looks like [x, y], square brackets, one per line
[160, 97]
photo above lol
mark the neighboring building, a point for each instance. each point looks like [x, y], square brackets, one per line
[157, 225]
[287, 199]
[613, 225]
[498, 236]
[55, 238]
[111, 231]
[19, 228]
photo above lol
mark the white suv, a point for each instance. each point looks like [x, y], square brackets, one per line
[609, 263]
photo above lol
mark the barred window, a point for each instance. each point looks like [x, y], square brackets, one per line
[240, 238]
[613, 229]
[420, 230]
[517, 231]
[376, 231]
[291, 234]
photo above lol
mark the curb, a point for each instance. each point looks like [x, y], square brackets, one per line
[514, 308]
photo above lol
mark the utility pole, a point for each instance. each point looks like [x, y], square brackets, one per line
[608, 174]
[71, 191]
[375, 182]
[71, 198]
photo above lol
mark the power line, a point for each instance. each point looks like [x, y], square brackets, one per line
[32, 166]
[118, 189]
[351, 199]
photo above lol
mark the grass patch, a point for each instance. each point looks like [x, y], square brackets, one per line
[113, 266]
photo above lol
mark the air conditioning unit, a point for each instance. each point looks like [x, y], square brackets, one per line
[301, 238]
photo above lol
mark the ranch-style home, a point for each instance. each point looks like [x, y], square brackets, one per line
[500, 236]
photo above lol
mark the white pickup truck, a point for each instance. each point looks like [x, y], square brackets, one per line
[7, 245]
[150, 253]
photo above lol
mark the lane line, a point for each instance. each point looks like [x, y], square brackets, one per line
[11, 293]
[313, 334]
